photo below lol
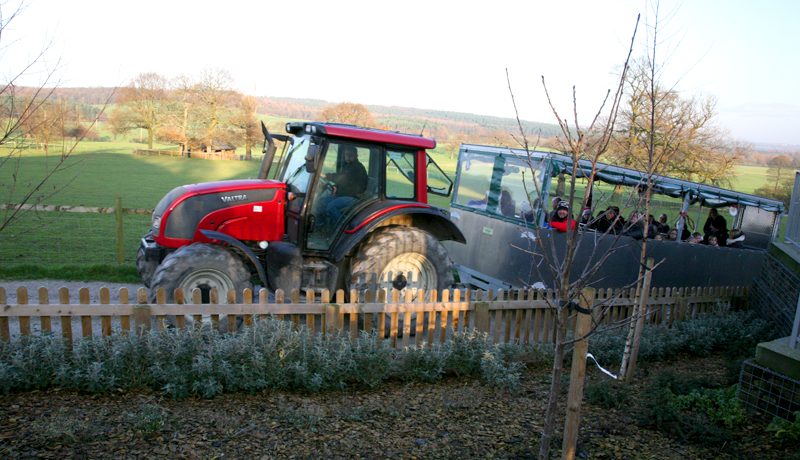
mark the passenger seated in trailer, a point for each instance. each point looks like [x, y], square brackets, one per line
[672, 235]
[663, 226]
[715, 226]
[554, 205]
[507, 206]
[736, 239]
[634, 228]
[562, 219]
[609, 222]
[479, 204]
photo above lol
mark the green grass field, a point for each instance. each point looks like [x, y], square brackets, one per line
[83, 245]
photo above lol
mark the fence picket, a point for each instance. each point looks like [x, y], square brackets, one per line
[105, 320]
[5, 332]
[407, 309]
[197, 299]
[124, 320]
[394, 319]
[24, 321]
[66, 320]
[431, 323]
[180, 299]
[311, 298]
[353, 316]
[44, 299]
[295, 299]
[231, 321]
[161, 299]
[443, 316]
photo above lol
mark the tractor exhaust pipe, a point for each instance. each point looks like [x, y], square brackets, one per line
[268, 151]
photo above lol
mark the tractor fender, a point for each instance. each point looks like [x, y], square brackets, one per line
[433, 220]
[213, 235]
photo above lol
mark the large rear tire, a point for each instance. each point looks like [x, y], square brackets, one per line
[204, 267]
[396, 251]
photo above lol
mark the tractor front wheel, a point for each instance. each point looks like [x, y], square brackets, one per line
[204, 267]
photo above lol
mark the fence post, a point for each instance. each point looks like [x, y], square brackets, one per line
[583, 325]
[142, 313]
[482, 316]
[120, 242]
[331, 319]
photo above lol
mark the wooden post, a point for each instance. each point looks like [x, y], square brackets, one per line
[120, 241]
[576, 377]
[5, 333]
[141, 312]
[331, 318]
[637, 332]
[66, 320]
[482, 316]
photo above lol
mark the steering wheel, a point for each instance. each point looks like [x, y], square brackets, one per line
[328, 184]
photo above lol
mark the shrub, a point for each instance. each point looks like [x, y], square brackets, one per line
[270, 354]
[686, 409]
[785, 430]
[735, 333]
[607, 394]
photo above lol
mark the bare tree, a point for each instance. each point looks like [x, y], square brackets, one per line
[213, 96]
[24, 113]
[685, 141]
[245, 121]
[581, 143]
[780, 178]
[142, 104]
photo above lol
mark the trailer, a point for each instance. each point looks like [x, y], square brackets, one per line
[501, 200]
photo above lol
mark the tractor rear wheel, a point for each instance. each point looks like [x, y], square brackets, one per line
[394, 254]
[204, 267]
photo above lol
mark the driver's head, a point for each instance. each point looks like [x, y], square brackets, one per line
[350, 153]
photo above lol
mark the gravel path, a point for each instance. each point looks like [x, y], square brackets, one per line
[54, 285]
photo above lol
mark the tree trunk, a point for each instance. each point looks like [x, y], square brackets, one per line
[150, 136]
[555, 385]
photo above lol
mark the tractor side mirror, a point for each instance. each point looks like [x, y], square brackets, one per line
[311, 158]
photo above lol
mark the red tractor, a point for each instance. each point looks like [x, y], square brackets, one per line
[346, 202]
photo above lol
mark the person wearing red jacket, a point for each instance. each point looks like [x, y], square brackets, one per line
[561, 220]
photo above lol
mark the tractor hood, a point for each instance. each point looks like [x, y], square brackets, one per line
[182, 211]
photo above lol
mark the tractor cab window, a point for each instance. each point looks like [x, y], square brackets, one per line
[294, 173]
[348, 177]
[400, 167]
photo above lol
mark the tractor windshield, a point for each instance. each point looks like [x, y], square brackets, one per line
[294, 173]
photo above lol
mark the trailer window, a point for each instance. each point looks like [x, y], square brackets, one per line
[474, 180]
[520, 187]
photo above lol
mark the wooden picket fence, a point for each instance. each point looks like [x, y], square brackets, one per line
[411, 317]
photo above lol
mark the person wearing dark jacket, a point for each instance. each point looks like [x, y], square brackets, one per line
[561, 220]
[347, 185]
[634, 228]
[715, 226]
[609, 222]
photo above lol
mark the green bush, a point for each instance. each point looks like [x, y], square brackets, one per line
[687, 409]
[270, 354]
[607, 394]
[785, 430]
[735, 333]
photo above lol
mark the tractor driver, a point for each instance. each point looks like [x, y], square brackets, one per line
[346, 186]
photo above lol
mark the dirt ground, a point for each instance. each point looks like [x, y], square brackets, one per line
[451, 419]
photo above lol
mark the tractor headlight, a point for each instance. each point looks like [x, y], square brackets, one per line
[156, 222]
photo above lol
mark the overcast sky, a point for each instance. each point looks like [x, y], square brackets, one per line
[433, 54]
